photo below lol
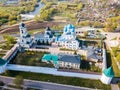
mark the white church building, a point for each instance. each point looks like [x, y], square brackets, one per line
[25, 40]
[68, 38]
[46, 37]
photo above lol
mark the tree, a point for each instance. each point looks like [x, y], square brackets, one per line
[75, 52]
[37, 18]
[79, 6]
[9, 39]
[18, 17]
[18, 81]
[85, 33]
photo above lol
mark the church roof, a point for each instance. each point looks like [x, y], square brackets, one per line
[22, 24]
[2, 61]
[109, 72]
[70, 59]
[48, 29]
[69, 27]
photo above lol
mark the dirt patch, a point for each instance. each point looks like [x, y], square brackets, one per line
[30, 26]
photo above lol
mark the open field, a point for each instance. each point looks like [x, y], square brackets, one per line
[33, 25]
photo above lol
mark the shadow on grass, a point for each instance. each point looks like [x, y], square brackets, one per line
[109, 60]
[115, 80]
[85, 65]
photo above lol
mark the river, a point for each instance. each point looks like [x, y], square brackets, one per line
[37, 9]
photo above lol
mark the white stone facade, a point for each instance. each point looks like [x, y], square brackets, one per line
[47, 37]
[68, 65]
[106, 80]
[68, 38]
[25, 39]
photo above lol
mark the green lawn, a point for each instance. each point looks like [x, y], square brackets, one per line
[109, 59]
[60, 79]
[115, 68]
[119, 85]
[30, 58]
[1, 55]
[6, 46]
[85, 66]
[111, 62]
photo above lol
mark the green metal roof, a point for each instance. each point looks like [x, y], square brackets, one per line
[109, 72]
[50, 57]
[2, 61]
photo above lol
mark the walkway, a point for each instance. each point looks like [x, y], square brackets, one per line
[114, 87]
[52, 71]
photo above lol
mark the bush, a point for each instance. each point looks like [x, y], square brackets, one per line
[18, 81]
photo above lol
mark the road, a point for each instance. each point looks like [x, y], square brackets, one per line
[114, 87]
[110, 35]
[43, 85]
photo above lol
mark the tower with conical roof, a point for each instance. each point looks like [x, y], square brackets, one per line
[3, 64]
[107, 75]
[25, 39]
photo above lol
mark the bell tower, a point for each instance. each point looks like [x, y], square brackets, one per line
[23, 30]
[25, 39]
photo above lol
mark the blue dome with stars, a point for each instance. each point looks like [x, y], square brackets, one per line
[69, 27]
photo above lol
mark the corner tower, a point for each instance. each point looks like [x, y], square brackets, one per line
[107, 75]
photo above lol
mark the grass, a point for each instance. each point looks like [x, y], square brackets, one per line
[109, 59]
[1, 55]
[32, 58]
[60, 79]
[115, 68]
[119, 85]
[115, 51]
[111, 62]
[6, 47]
[85, 65]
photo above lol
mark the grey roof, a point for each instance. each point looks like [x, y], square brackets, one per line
[70, 58]
[94, 56]
[39, 35]
[50, 34]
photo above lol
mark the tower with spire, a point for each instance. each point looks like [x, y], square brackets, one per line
[107, 75]
[25, 39]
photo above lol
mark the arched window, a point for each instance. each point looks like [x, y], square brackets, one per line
[22, 31]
